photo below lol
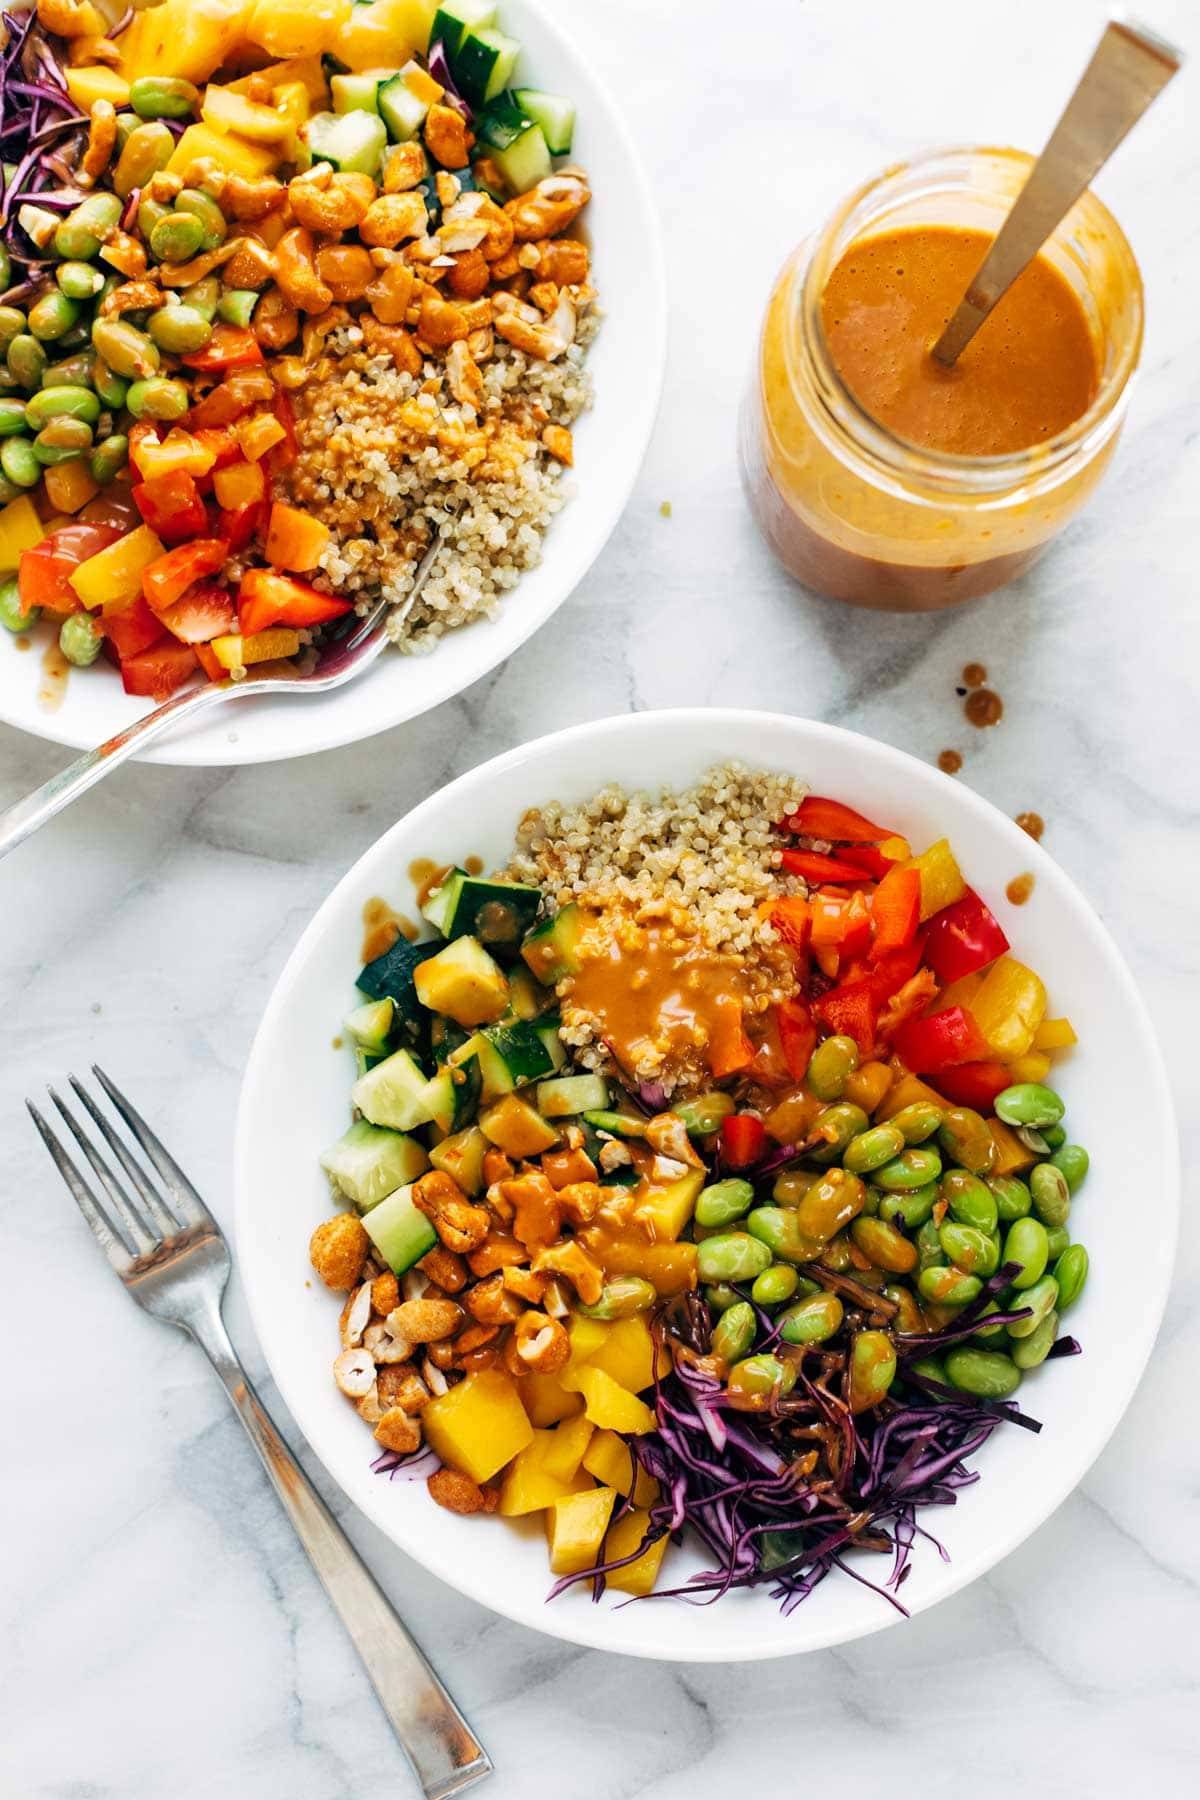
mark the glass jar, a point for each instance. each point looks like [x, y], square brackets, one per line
[860, 514]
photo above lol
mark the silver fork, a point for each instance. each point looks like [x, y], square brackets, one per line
[343, 657]
[167, 1248]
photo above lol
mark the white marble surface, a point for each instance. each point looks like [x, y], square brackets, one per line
[161, 1631]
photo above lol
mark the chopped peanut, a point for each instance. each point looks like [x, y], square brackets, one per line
[397, 1431]
[385, 1294]
[456, 1492]
[446, 1269]
[424, 1321]
[338, 1249]
[447, 137]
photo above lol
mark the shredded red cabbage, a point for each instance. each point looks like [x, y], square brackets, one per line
[41, 128]
[439, 67]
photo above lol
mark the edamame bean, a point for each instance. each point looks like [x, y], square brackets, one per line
[724, 1202]
[158, 398]
[111, 388]
[884, 1246]
[830, 1067]
[929, 1368]
[202, 206]
[964, 1136]
[762, 1376]
[918, 1121]
[734, 1331]
[701, 1116]
[61, 440]
[177, 238]
[27, 361]
[80, 639]
[990, 1334]
[1026, 1244]
[146, 150]
[163, 97]
[835, 1127]
[1012, 1197]
[830, 1204]
[12, 417]
[19, 463]
[872, 1203]
[8, 490]
[62, 402]
[72, 371]
[778, 1227]
[988, 1374]
[872, 1368]
[621, 1298]
[735, 1256]
[970, 1201]
[774, 1285]
[150, 213]
[204, 297]
[12, 324]
[78, 280]
[811, 1320]
[79, 236]
[930, 1254]
[1030, 1352]
[872, 1148]
[1029, 1103]
[1051, 1195]
[236, 306]
[11, 615]
[1057, 1239]
[792, 1185]
[909, 1316]
[913, 1168]
[109, 458]
[5, 269]
[1041, 1298]
[836, 1254]
[1072, 1162]
[126, 350]
[969, 1249]
[1054, 1135]
[948, 1287]
[721, 1296]
[52, 316]
[1071, 1273]
[912, 1209]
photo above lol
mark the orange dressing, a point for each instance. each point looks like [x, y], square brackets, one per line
[381, 928]
[1029, 373]
[55, 672]
[425, 875]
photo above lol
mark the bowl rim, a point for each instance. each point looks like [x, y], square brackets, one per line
[187, 749]
[966, 1566]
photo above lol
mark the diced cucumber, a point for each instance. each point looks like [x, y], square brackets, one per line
[527, 997]
[454, 1093]
[454, 17]
[445, 1037]
[572, 1094]
[392, 975]
[492, 1066]
[352, 142]
[553, 113]
[367, 1164]
[402, 111]
[519, 1046]
[616, 1124]
[463, 981]
[370, 1026]
[358, 92]
[525, 162]
[501, 122]
[548, 1032]
[461, 1157]
[552, 949]
[393, 1093]
[514, 1127]
[484, 63]
[400, 1233]
[498, 913]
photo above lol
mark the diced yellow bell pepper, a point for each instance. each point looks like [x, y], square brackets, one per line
[179, 454]
[1009, 1007]
[627, 1354]
[609, 1458]
[115, 574]
[957, 993]
[479, 1425]
[1033, 1066]
[69, 485]
[297, 27]
[241, 484]
[867, 1086]
[237, 652]
[576, 1526]
[384, 34]
[225, 110]
[664, 1212]
[568, 1443]
[941, 878]
[1054, 1034]
[905, 1092]
[530, 1485]
[235, 155]
[547, 1401]
[608, 1404]
[636, 1577]
[89, 84]
[188, 38]
[306, 70]
[20, 530]
[1011, 1154]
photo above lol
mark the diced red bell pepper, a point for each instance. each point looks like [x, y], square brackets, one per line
[223, 445]
[131, 630]
[963, 937]
[157, 671]
[229, 347]
[889, 972]
[743, 1137]
[203, 613]
[241, 526]
[797, 1036]
[139, 431]
[281, 456]
[829, 820]
[208, 662]
[172, 507]
[841, 922]
[266, 599]
[792, 919]
[896, 911]
[940, 1042]
[874, 860]
[850, 1010]
[169, 577]
[812, 865]
[974, 1084]
[44, 571]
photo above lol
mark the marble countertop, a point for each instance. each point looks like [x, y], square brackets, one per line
[161, 1632]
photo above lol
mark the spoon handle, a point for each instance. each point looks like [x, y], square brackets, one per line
[1129, 68]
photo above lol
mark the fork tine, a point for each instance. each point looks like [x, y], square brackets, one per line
[164, 1221]
[188, 1201]
[108, 1240]
[122, 1206]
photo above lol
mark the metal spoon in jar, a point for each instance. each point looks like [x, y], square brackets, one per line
[1129, 69]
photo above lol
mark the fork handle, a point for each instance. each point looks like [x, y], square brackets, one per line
[445, 1755]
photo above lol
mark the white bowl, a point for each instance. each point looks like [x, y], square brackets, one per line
[626, 362]
[295, 1100]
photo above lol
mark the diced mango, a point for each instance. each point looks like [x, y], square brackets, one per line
[576, 1526]
[1009, 1007]
[867, 1086]
[530, 1485]
[89, 84]
[514, 1126]
[664, 1211]
[567, 1445]
[669, 1268]
[1055, 1034]
[608, 1404]
[627, 1354]
[418, 81]
[587, 1336]
[941, 878]
[115, 574]
[20, 529]
[295, 540]
[793, 1117]
[905, 1091]
[235, 155]
[188, 38]
[384, 33]
[1033, 1066]
[226, 110]
[479, 1425]
[236, 652]
[609, 1458]
[1012, 1156]
[547, 1401]
[636, 1577]
[306, 70]
[297, 27]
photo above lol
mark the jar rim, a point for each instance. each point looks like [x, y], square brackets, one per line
[895, 455]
